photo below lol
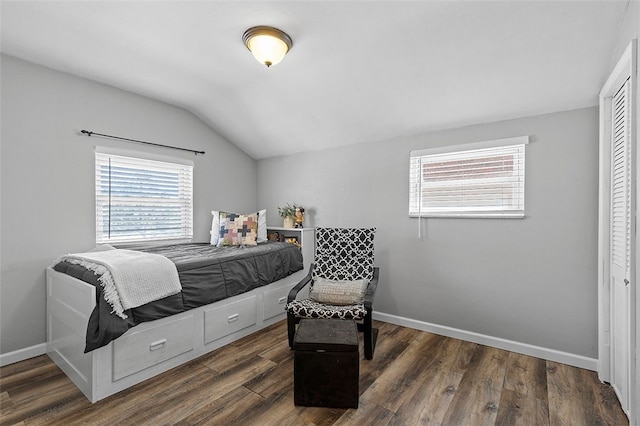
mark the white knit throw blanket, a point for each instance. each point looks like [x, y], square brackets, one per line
[130, 278]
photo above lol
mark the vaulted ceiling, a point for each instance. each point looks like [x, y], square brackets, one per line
[359, 71]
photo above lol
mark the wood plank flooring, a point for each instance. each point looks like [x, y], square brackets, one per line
[415, 378]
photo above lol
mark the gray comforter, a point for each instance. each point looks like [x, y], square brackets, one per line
[207, 274]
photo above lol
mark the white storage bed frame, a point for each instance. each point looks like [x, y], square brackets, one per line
[152, 347]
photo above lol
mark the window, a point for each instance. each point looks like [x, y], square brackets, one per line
[484, 179]
[140, 199]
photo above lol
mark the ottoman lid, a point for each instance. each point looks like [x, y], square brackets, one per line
[330, 335]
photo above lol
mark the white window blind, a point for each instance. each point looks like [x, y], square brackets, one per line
[484, 179]
[140, 199]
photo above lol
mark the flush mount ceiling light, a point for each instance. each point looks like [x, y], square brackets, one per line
[267, 44]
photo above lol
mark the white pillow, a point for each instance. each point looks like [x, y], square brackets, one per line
[215, 226]
[338, 292]
[262, 226]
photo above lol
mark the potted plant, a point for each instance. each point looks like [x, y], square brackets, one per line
[288, 214]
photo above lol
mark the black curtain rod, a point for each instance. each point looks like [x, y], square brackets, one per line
[89, 133]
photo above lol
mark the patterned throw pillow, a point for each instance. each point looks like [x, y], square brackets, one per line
[238, 229]
[338, 292]
[215, 226]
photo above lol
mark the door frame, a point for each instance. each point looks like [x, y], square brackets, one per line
[626, 68]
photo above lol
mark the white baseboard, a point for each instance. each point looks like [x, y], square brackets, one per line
[496, 342]
[22, 354]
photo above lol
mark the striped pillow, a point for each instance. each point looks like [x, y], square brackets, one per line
[338, 292]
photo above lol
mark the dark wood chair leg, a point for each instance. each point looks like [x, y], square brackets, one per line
[291, 328]
[370, 336]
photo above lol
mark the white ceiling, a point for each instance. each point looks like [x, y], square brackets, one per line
[359, 71]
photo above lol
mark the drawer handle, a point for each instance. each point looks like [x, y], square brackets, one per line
[157, 345]
[232, 318]
[282, 300]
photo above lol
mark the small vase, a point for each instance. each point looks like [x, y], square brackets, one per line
[288, 222]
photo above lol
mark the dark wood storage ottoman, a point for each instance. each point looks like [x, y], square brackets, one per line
[326, 368]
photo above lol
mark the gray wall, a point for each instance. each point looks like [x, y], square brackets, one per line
[47, 177]
[531, 280]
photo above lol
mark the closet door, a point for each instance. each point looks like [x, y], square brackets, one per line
[621, 243]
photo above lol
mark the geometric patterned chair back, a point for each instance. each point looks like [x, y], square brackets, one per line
[344, 253]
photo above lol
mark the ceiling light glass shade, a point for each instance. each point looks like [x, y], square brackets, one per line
[268, 45]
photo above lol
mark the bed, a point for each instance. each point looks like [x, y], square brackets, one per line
[227, 293]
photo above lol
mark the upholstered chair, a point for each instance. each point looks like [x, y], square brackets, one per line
[342, 282]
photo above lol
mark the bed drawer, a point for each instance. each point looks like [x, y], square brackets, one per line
[135, 351]
[227, 319]
[275, 301]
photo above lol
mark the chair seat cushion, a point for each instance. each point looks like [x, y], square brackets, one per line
[308, 308]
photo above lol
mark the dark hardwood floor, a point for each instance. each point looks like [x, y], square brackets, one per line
[415, 378]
